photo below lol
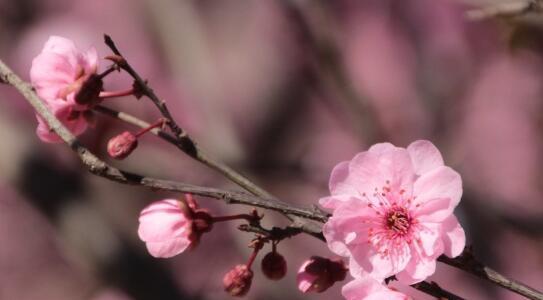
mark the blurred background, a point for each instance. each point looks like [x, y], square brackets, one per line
[282, 91]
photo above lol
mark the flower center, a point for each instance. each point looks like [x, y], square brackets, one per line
[398, 220]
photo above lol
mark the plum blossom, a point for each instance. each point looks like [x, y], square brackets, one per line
[368, 288]
[393, 211]
[65, 79]
[166, 227]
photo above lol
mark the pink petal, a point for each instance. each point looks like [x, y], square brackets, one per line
[368, 288]
[89, 61]
[442, 182]
[370, 170]
[381, 148]
[339, 183]
[62, 111]
[425, 156]
[454, 238]
[51, 72]
[333, 202]
[348, 226]
[164, 228]
[435, 210]
[430, 239]
[62, 46]
[418, 269]
[167, 248]
[304, 279]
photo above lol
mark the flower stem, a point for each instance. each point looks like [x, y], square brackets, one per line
[158, 123]
[104, 95]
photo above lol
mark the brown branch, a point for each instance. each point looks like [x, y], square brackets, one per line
[100, 168]
[467, 262]
[432, 288]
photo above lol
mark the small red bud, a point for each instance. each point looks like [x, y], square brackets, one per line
[120, 146]
[237, 281]
[274, 266]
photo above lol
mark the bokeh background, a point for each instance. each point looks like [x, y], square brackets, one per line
[283, 91]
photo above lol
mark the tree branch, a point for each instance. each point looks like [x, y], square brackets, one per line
[432, 288]
[467, 262]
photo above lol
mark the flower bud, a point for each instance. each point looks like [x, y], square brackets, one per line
[318, 274]
[120, 146]
[274, 266]
[237, 281]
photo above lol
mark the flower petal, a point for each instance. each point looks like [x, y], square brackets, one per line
[425, 156]
[384, 166]
[454, 237]
[163, 221]
[167, 248]
[368, 288]
[435, 210]
[418, 269]
[442, 182]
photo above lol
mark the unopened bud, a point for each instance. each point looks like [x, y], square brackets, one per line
[237, 281]
[120, 146]
[274, 266]
[318, 274]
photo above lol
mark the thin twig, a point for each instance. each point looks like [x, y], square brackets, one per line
[467, 262]
[435, 290]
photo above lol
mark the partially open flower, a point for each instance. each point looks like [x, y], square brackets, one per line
[120, 146]
[58, 74]
[274, 266]
[318, 274]
[237, 281]
[168, 228]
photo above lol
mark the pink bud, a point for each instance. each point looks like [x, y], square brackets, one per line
[237, 281]
[318, 274]
[274, 266]
[120, 146]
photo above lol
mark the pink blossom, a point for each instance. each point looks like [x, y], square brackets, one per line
[393, 211]
[318, 274]
[166, 227]
[58, 73]
[368, 288]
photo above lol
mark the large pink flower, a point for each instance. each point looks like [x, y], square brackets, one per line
[368, 288]
[57, 74]
[166, 227]
[393, 211]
